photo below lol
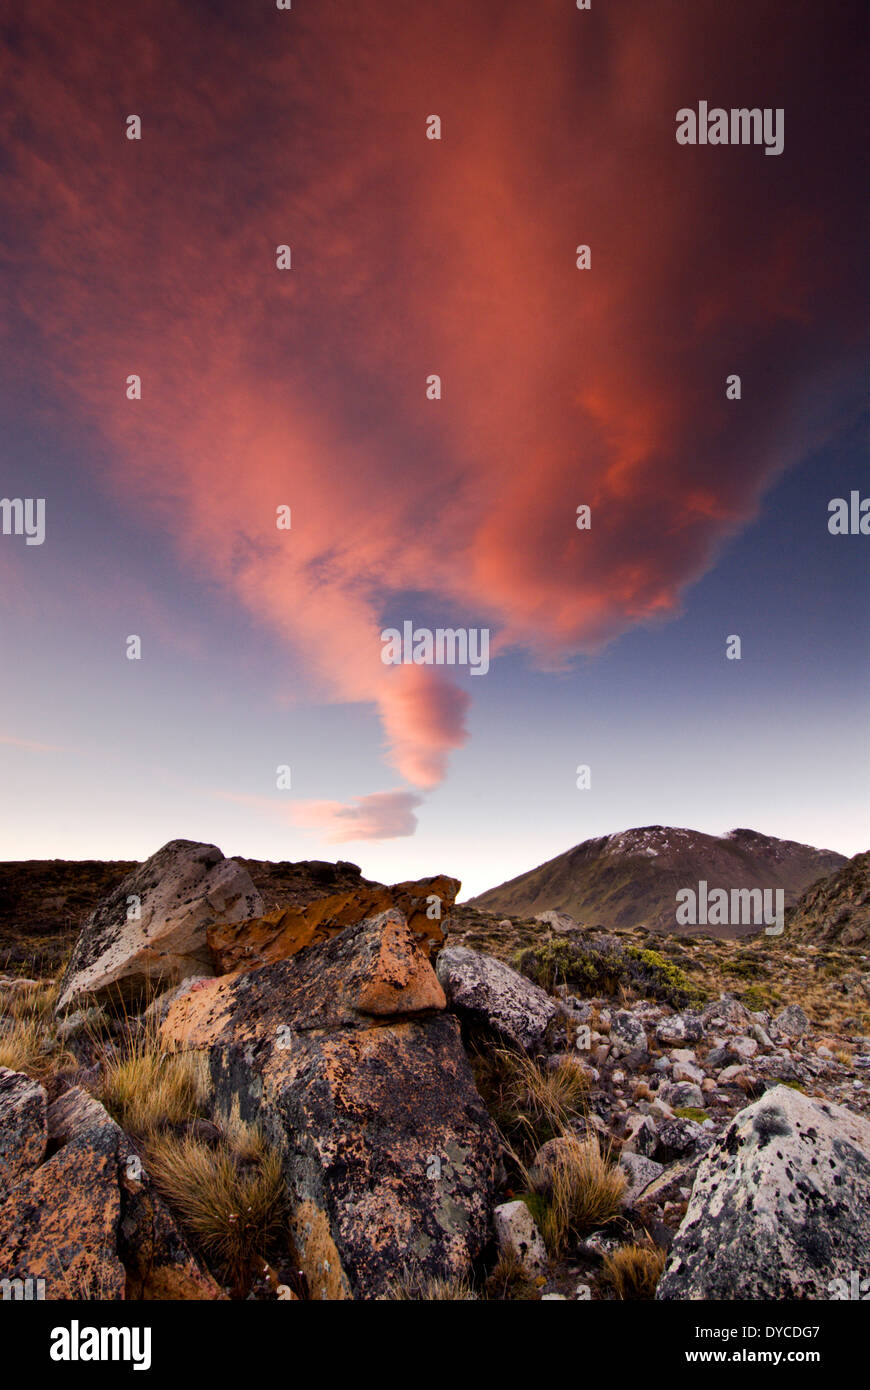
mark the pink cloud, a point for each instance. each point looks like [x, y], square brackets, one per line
[379, 816]
[306, 388]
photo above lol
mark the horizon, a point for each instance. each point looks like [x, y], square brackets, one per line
[463, 896]
[382, 491]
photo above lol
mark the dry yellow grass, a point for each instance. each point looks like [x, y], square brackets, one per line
[540, 1101]
[146, 1089]
[28, 1032]
[633, 1271]
[429, 1290]
[579, 1191]
[236, 1212]
[509, 1280]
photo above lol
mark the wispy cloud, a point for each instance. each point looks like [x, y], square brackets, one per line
[379, 816]
[31, 746]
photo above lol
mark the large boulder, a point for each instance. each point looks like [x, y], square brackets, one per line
[87, 1220]
[780, 1207]
[486, 992]
[242, 945]
[560, 922]
[153, 926]
[60, 1223]
[23, 1126]
[343, 1053]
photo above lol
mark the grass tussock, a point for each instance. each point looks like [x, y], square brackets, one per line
[529, 1102]
[633, 1271]
[147, 1089]
[234, 1208]
[510, 1281]
[28, 1031]
[419, 1289]
[578, 1190]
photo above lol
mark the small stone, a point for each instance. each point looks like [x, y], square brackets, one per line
[515, 1230]
[640, 1172]
[685, 1071]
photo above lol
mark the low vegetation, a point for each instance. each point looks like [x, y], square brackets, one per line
[28, 1030]
[607, 967]
[231, 1201]
[147, 1089]
[633, 1271]
[578, 1190]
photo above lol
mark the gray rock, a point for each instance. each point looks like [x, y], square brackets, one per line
[640, 1172]
[780, 1208]
[684, 1027]
[679, 1138]
[485, 991]
[792, 1021]
[177, 893]
[515, 1230]
[627, 1033]
[23, 1126]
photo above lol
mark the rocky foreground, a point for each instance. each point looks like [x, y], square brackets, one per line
[342, 1090]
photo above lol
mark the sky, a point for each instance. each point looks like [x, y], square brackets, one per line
[308, 388]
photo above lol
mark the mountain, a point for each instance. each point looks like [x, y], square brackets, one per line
[836, 909]
[631, 879]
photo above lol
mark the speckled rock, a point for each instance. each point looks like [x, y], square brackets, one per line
[487, 992]
[425, 904]
[177, 893]
[345, 1056]
[640, 1172]
[516, 1231]
[780, 1207]
[87, 1220]
[23, 1127]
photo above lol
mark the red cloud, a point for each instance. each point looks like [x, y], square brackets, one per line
[307, 387]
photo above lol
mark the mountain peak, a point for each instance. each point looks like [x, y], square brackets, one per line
[630, 878]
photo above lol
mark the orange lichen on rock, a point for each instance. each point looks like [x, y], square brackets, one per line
[261, 940]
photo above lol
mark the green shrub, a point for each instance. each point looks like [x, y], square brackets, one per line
[605, 967]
